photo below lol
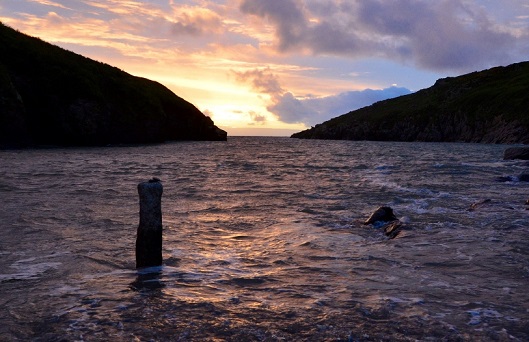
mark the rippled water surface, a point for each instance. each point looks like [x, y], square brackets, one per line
[264, 241]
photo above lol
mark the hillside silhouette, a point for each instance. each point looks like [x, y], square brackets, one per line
[51, 96]
[489, 106]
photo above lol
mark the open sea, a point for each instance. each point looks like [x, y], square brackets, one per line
[264, 241]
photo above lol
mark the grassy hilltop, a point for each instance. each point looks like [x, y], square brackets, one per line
[490, 106]
[52, 96]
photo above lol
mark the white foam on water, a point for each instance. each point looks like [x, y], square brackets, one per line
[28, 269]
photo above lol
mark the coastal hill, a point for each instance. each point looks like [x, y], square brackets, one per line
[490, 106]
[51, 96]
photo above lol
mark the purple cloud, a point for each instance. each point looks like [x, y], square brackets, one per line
[444, 35]
[309, 111]
[286, 15]
[262, 80]
[438, 35]
[316, 110]
[197, 23]
[257, 119]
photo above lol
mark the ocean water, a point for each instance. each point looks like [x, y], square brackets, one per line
[264, 241]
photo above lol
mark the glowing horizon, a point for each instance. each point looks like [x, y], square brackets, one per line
[259, 67]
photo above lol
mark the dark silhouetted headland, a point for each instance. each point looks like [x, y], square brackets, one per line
[490, 106]
[51, 96]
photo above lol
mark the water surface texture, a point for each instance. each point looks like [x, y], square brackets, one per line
[264, 241]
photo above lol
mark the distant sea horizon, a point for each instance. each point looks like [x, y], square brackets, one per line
[259, 132]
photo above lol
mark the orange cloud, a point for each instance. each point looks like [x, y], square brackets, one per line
[196, 21]
[50, 3]
[126, 8]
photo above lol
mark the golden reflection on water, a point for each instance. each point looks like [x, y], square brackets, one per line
[273, 241]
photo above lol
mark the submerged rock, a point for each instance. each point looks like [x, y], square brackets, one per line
[393, 229]
[382, 214]
[479, 204]
[504, 179]
[516, 153]
[524, 177]
[490, 205]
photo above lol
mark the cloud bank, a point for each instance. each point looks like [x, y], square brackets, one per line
[310, 110]
[437, 35]
[444, 35]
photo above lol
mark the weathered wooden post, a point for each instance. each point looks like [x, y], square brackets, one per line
[149, 236]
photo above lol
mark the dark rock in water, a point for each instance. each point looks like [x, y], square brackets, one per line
[516, 153]
[384, 218]
[382, 214]
[504, 179]
[479, 204]
[490, 205]
[524, 177]
[393, 229]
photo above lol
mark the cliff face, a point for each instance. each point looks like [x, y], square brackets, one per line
[55, 97]
[490, 106]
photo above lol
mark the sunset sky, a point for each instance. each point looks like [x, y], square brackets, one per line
[274, 67]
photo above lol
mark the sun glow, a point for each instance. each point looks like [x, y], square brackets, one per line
[256, 65]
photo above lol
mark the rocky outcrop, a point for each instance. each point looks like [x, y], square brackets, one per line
[487, 107]
[385, 219]
[51, 96]
[382, 214]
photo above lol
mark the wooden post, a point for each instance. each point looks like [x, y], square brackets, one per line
[149, 236]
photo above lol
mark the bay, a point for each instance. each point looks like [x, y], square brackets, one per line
[264, 241]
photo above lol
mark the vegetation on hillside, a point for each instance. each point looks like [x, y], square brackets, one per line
[49, 95]
[490, 106]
